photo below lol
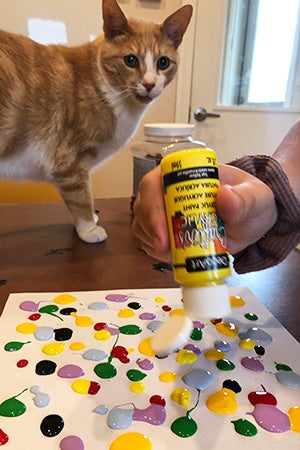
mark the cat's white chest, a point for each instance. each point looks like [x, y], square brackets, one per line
[127, 122]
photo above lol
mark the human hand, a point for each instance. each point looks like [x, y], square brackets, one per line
[150, 221]
[245, 204]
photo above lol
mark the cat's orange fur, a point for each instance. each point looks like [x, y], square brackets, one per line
[63, 110]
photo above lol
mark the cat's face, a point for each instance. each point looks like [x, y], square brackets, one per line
[139, 65]
[138, 59]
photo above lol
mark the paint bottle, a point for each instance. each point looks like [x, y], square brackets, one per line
[198, 242]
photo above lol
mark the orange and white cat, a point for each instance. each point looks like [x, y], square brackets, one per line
[64, 110]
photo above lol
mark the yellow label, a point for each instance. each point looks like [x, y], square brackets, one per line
[197, 234]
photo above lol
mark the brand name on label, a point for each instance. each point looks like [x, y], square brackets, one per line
[211, 262]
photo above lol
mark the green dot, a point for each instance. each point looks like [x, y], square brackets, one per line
[251, 316]
[283, 367]
[105, 370]
[135, 375]
[225, 364]
[184, 426]
[130, 329]
[244, 427]
[12, 407]
[14, 346]
[196, 334]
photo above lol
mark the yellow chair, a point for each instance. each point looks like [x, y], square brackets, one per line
[27, 191]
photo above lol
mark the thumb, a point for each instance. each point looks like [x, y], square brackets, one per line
[235, 203]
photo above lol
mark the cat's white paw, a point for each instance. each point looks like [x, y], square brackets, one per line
[96, 218]
[93, 235]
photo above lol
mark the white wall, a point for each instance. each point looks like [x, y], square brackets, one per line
[82, 19]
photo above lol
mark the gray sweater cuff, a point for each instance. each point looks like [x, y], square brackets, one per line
[272, 248]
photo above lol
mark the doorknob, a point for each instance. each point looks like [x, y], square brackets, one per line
[201, 114]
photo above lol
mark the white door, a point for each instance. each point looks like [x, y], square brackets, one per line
[239, 130]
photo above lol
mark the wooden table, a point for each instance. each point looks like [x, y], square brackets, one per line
[40, 252]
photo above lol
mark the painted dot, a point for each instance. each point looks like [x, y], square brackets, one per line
[71, 443]
[166, 308]
[102, 335]
[251, 316]
[214, 354]
[177, 312]
[77, 346]
[131, 441]
[126, 313]
[247, 344]
[168, 377]
[22, 363]
[64, 299]
[227, 328]
[236, 301]
[52, 425]
[137, 387]
[225, 364]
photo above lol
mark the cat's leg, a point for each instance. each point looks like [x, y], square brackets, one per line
[75, 191]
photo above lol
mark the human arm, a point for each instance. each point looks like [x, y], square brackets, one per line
[245, 203]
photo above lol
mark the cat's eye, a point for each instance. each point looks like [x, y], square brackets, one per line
[131, 61]
[163, 63]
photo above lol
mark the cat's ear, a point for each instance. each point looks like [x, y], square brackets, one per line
[176, 24]
[114, 20]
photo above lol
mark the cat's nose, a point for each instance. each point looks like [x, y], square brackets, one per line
[148, 86]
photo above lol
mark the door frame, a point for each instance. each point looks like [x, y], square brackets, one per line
[185, 69]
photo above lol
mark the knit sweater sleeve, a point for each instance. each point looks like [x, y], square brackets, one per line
[272, 248]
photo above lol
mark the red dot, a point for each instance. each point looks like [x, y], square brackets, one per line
[22, 363]
[3, 437]
[94, 388]
[166, 308]
[157, 400]
[215, 321]
[99, 326]
[34, 316]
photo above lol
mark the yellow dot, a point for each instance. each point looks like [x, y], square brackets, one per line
[137, 387]
[131, 441]
[125, 313]
[145, 347]
[247, 344]
[82, 321]
[214, 355]
[81, 386]
[227, 328]
[53, 349]
[26, 328]
[102, 335]
[181, 396]
[177, 312]
[64, 299]
[77, 346]
[294, 417]
[222, 402]
[168, 377]
[236, 301]
[160, 300]
[186, 357]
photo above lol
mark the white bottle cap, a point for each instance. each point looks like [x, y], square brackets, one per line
[200, 303]
[207, 302]
[168, 129]
[172, 335]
